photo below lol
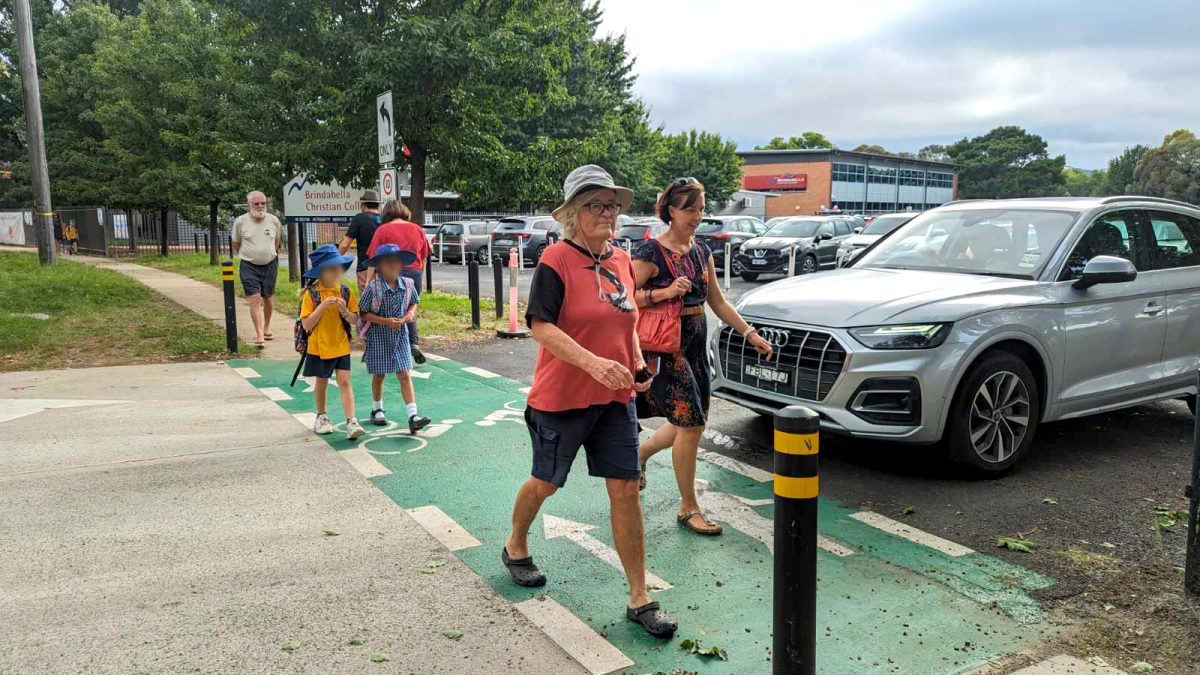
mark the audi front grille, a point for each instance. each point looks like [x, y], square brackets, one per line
[811, 361]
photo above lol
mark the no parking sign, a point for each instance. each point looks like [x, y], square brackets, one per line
[387, 185]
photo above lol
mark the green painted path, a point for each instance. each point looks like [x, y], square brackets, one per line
[887, 604]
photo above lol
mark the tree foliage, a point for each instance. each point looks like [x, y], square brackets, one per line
[706, 157]
[872, 148]
[1118, 179]
[1171, 170]
[1004, 163]
[806, 140]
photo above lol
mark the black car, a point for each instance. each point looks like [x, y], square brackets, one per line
[530, 232]
[716, 231]
[815, 240]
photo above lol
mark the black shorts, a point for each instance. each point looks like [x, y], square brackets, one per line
[259, 279]
[323, 368]
[607, 432]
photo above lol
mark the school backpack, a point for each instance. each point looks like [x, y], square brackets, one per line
[299, 335]
[377, 288]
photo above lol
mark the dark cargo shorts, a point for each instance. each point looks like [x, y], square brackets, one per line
[259, 279]
[607, 432]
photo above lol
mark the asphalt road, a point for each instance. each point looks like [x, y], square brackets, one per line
[1107, 473]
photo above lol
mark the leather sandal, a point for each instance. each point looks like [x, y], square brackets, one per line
[685, 520]
[655, 621]
[523, 571]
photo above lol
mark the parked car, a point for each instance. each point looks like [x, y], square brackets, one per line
[876, 227]
[530, 232]
[814, 239]
[716, 231]
[475, 233]
[977, 321]
[640, 230]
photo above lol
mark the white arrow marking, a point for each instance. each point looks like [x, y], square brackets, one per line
[737, 514]
[417, 373]
[578, 532]
[12, 408]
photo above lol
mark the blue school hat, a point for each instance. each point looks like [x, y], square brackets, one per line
[326, 256]
[392, 250]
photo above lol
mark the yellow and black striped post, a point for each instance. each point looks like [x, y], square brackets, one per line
[797, 444]
[231, 340]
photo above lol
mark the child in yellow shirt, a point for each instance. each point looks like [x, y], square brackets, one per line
[327, 310]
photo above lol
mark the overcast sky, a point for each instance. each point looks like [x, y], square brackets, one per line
[1090, 77]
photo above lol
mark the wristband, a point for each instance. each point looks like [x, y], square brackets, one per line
[750, 332]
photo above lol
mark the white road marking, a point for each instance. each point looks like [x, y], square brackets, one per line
[754, 502]
[12, 408]
[307, 419]
[578, 532]
[275, 394]
[1069, 665]
[735, 512]
[525, 390]
[435, 357]
[584, 645]
[435, 430]
[735, 466]
[246, 372]
[418, 374]
[911, 533]
[451, 421]
[367, 465]
[480, 372]
[443, 528]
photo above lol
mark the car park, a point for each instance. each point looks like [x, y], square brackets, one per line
[640, 230]
[977, 321]
[464, 236]
[717, 231]
[875, 228]
[527, 233]
[812, 241]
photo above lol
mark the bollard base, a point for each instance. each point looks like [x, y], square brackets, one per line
[513, 335]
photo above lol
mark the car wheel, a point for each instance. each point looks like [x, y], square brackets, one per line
[537, 255]
[994, 415]
[749, 276]
[808, 265]
[1191, 401]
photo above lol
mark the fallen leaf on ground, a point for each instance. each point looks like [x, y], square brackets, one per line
[1142, 667]
[1050, 500]
[359, 640]
[290, 646]
[1015, 544]
[909, 510]
[452, 634]
[380, 657]
[331, 533]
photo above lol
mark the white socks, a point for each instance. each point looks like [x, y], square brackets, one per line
[412, 408]
[378, 405]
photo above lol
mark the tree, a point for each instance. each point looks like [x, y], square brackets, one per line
[1171, 170]
[1118, 179]
[934, 153]
[806, 140]
[706, 157]
[1079, 183]
[874, 149]
[1006, 162]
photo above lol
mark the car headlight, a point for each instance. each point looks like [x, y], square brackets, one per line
[906, 336]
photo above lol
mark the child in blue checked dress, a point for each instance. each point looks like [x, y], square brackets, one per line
[386, 304]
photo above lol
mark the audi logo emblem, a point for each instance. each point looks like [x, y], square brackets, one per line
[776, 337]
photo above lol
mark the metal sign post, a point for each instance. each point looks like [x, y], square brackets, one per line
[728, 262]
[792, 262]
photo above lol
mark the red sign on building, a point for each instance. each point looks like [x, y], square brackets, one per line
[776, 181]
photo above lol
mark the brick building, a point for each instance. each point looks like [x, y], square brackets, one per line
[805, 181]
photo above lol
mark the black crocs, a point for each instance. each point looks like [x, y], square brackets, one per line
[523, 571]
[656, 622]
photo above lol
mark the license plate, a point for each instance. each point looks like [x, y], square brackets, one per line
[768, 374]
[504, 242]
[758, 261]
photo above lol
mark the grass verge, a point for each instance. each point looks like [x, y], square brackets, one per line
[75, 315]
[445, 318]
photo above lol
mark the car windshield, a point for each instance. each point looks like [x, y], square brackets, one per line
[633, 231]
[794, 229]
[430, 229]
[885, 224]
[452, 228]
[996, 242]
[510, 225]
[709, 226]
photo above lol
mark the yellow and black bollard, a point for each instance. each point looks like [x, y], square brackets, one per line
[231, 339]
[797, 444]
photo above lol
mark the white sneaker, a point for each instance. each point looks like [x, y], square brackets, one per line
[322, 425]
[354, 429]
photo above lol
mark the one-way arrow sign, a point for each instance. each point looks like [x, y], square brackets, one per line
[578, 532]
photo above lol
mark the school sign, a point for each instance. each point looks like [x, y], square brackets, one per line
[307, 202]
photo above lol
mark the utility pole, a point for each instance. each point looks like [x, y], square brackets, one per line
[40, 177]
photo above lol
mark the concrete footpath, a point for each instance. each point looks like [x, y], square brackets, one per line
[172, 518]
[205, 300]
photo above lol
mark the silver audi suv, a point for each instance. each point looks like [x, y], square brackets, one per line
[977, 320]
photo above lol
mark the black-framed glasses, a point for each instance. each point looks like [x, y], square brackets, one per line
[602, 208]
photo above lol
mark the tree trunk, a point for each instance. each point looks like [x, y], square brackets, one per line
[212, 233]
[162, 231]
[294, 251]
[416, 202]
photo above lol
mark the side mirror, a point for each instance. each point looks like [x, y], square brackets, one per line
[852, 255]
[858, 230]
[824, 236]
[1105, 269]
